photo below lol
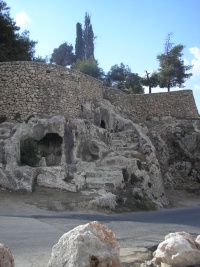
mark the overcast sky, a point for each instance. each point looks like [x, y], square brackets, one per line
[128, 31]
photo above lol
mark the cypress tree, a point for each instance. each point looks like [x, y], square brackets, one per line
[79, 46]
[88, 37]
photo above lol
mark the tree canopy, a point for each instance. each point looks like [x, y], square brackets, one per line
[172, 71]
[89, 66]
[121, 77]
[84, 50]
[13, 45]
[151, 80]
[63, 55]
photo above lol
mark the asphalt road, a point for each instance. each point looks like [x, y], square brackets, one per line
[31, 237]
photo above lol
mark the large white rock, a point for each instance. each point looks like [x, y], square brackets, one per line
[6, 258]
[86, 245]
[179, 250]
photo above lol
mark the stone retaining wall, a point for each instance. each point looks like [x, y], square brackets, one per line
[28, 88]
[31, 88]
[179, 104]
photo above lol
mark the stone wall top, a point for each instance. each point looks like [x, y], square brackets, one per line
[179, 104]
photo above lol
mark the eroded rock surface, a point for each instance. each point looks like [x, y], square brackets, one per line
[178, 151]
[124, 165]
[178, 250]
[88, 245]
[6, 258]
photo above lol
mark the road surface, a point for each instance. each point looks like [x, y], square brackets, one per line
[31, 236]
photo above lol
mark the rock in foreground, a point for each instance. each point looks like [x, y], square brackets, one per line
[6, 258]
[86, 245]
[178, 250]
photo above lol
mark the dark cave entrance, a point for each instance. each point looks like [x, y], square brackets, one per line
[50, 147]
[103, 124]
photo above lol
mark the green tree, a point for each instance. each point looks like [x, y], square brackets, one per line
[117, 75]
[88, 38]
[121, 77]
[151, 80]
[40, 59]
[13, 46]
[172, 71]
[79, 46]
[133, 84]
[89, 66]
[63, 55]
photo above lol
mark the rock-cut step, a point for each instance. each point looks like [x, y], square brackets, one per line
[118, 161]
[101, 173]
[100, 179]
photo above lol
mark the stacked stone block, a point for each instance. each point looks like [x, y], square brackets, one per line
[178, 104]
[31, 88]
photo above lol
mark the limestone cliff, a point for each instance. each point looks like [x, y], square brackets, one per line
[124, 165]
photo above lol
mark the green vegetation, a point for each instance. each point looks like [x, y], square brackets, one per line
[172, 71]
[145, 204]
[79, 46]
[13, 45]
[89, 66]
[63, 55]
[16, 46]
[151, 80]
[121, 77]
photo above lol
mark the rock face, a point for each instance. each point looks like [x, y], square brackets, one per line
[6, 258]
[178, 152]
[88, 245]
[124, 164]
[178, 250]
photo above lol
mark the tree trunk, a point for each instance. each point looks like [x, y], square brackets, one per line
[149, 82]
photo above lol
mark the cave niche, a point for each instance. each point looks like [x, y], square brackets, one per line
[103, 124]
[50, 147]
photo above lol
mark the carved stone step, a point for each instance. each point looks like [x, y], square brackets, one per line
[116, 161]
[105, 181]
[102, 173]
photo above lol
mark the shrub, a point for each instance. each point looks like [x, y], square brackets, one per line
[145, 204]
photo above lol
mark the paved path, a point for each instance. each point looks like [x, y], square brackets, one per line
[31, 237]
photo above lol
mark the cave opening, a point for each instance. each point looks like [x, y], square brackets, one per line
[51, 149]
[103, 124]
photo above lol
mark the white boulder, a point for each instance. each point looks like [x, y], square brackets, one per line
[179, 250]
[6, 258]
[86, 245]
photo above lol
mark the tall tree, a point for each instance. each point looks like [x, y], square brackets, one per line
[88, 37]
[172, 71]
[121, 77]
[63, 55]
[13, 46]
[79, 46]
